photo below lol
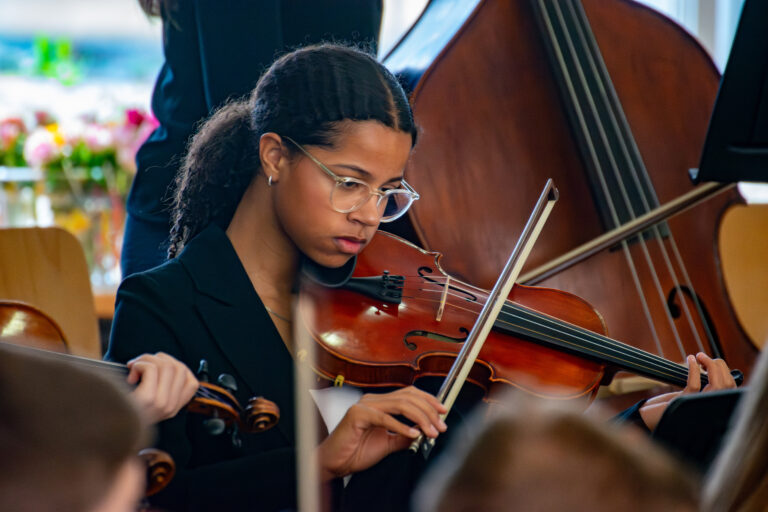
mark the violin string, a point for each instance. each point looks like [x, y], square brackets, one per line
[588, 105]
[624, 359]
[584, 340]
[511, 306]
[637, 171]
[587, 339]
[203, 392]
[597, 342]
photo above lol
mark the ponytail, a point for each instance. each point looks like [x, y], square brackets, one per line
[222, 159]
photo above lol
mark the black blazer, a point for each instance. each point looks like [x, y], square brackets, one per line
[217, 49]
[202, 305]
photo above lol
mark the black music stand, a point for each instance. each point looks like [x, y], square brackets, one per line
[736, 147]
[693, 426]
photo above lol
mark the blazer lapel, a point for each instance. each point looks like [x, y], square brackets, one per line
[235, 316]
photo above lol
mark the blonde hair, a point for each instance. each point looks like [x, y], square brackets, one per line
[738, 480]
[537, 456]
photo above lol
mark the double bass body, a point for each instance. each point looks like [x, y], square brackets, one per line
[495, 126]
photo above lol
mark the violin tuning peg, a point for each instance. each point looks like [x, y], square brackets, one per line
[237, 442]
[202, 371]
[214, 426]
[228, 382]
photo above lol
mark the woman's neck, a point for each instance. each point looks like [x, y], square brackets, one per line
[267, 254]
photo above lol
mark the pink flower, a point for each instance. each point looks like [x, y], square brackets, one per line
[40, 148]
[10, 129]
[43, 118]
[98, 138]
[134, 117]
[131, 135]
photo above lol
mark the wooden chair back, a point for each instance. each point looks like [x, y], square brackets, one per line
[46, 267]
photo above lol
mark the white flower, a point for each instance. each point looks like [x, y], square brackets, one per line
[40, 148]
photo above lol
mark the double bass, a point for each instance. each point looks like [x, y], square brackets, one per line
[610, 99]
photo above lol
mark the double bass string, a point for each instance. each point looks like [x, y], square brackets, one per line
[621, 130]
[591, 147]
[637, 169]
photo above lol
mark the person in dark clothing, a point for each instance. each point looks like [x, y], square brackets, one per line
[252, 201]
[215, 51]
[302, 171]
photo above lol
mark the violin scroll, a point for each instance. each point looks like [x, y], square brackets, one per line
[160, 469]
[223, 410]
[261, 414]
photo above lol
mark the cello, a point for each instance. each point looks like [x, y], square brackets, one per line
[611, 100]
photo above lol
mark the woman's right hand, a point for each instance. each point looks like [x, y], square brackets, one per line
[165, 385]
[368, 432]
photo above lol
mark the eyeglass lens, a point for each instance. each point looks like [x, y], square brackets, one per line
[350, 195]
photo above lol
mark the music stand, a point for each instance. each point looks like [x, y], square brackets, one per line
[736, 147]
[693, 426]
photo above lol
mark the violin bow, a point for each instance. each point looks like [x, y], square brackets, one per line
[308, 476]
[496, 299]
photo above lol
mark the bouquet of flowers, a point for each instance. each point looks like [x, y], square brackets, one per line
[86, 155]
[87, 169]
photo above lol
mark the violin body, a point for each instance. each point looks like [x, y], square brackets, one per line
[371, 343]
[507, 129]
[23, 324]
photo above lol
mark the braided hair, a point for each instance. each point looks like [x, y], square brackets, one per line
[306, 95]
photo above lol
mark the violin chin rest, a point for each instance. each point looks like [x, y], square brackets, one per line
[327, 276]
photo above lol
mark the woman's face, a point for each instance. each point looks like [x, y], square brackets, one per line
[366, 150]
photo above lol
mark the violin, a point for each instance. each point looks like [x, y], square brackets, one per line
[31, 330]
[26, 329]
[400, 317]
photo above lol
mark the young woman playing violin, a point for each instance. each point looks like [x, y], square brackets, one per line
[307, 167]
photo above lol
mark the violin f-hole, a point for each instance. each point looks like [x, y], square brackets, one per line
[433, 336]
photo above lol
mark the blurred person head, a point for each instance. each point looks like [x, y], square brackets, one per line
[544, 456]
[68, 438]
[738, 479]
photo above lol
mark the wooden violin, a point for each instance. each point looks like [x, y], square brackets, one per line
[32, 329]
[27, 329]
[400, 318]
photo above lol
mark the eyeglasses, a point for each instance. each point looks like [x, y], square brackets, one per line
[350, 194]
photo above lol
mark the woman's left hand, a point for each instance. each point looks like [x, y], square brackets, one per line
[165, 385]
[718, 374]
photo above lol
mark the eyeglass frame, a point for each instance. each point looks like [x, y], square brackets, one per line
[414, 196]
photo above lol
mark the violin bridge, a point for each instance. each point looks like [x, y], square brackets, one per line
[443, 298]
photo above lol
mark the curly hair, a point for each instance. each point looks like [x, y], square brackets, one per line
[306, 95]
